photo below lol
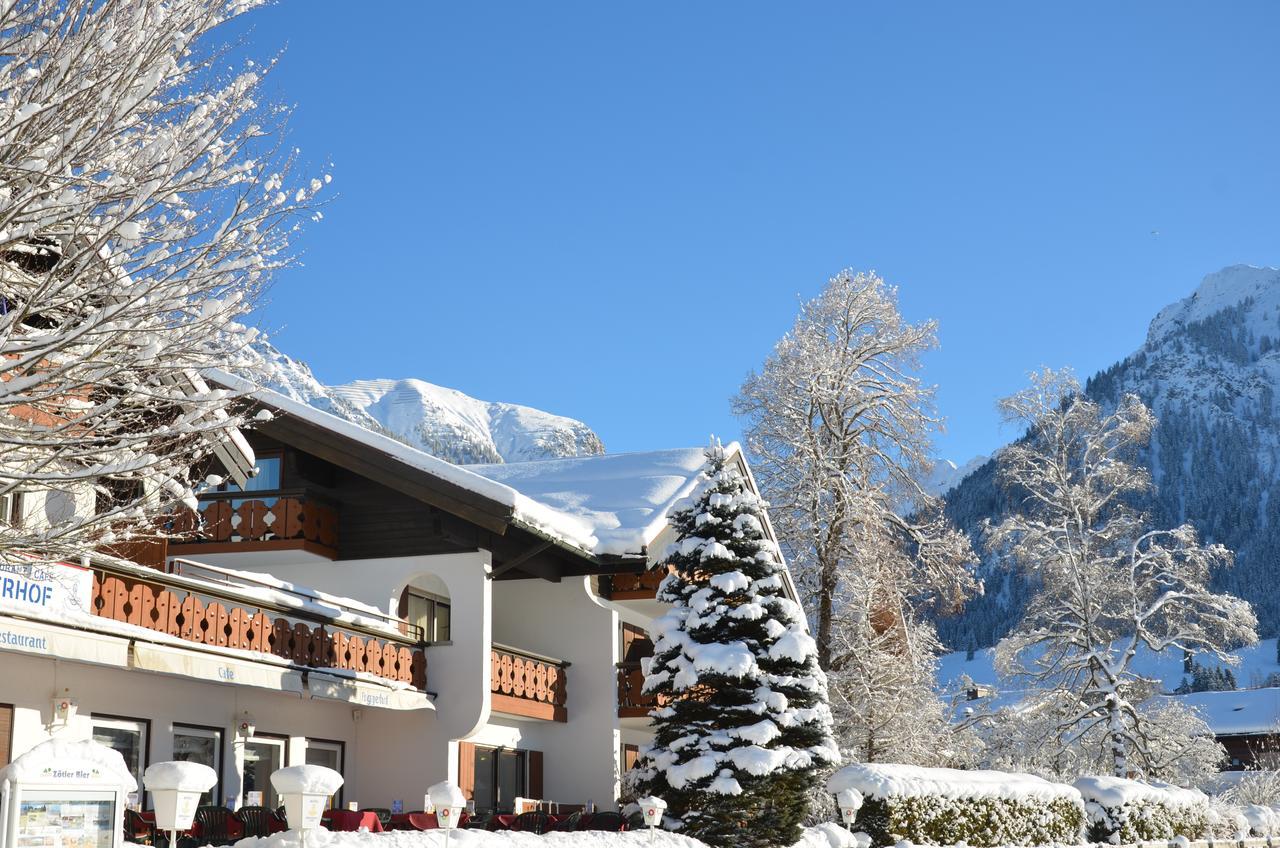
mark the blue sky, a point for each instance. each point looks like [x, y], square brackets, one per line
[611, 210]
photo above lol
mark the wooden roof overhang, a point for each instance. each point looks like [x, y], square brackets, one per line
[469, 518]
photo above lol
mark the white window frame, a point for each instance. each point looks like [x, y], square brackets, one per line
[141, 725]
[330, 745]
[217, 735]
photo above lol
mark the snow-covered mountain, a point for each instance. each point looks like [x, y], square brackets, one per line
[946, 475]
[443, 422]
[1210, 370]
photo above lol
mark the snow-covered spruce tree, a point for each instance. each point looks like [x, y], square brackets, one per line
[1107, 583]
[743, 730]
[143, 205]
[839, 429]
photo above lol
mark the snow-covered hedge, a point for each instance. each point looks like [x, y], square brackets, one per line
[948, 807]
[1129, 811]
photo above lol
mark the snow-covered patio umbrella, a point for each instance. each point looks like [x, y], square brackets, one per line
[175, 789]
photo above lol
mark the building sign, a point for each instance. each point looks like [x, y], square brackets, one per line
[58, 591]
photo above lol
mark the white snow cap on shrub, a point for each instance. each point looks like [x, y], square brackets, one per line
[446, 794]
[1262, 820]
[308, 780]
[1117, 791]
[102, 763]
[890, 780]
[194, 777]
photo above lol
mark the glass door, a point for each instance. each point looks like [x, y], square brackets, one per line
[126, 735]
[202, 745]
[262, 756]
[323, 752]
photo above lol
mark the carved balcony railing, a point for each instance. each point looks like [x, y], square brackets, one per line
[258, 521]
[528, 685]
[632, 701]
[203, 613]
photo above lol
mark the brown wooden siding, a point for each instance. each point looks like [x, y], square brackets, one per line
[6, 734]
[535, 774]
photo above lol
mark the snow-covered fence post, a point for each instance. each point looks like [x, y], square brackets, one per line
[448, 800]
[849, 801]
[652, 809]
[175, 789]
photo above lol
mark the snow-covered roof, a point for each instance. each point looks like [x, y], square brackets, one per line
[622, 501]
[608, 505]
[1237, 712]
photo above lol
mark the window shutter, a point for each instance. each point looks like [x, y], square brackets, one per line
[6, 733]
[535, 774]
[467, 769]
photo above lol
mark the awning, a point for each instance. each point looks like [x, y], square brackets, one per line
[64, 643]
[366, 694]
[187, 663]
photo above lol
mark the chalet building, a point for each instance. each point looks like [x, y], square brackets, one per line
[1245, 721]
[365, 606]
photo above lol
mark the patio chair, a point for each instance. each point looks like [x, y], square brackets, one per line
[138, 829]
[256, 821]
[383, 814]
[607, 821]
[215, 824]
[570, 824]
[534, 821]
[279, 819]
[635, 821]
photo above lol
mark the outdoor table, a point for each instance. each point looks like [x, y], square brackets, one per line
[350, 820]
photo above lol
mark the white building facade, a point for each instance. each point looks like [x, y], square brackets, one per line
[365, 606]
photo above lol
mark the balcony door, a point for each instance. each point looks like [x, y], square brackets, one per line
[500, 776]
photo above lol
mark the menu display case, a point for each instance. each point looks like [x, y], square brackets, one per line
[66, 819]
[64, 795]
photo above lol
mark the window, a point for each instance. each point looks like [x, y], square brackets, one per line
[330, 754]
[196, 744]
[431, 613]
[128, 736]
[499, 778]
[11, 509]
[268, 479]
[262, 756]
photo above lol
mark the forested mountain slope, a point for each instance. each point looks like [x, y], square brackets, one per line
[1209, 368]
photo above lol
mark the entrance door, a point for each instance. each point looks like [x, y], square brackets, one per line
[202, 745]
[262, 756]
[499, 779]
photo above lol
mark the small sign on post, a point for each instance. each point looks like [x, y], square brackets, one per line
[449, 801]
[305, 789]
[849, 801]
[175, 789]
[652, 809]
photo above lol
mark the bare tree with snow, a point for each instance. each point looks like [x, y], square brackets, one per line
[145, 201]
[1108, 583]
[839, 426]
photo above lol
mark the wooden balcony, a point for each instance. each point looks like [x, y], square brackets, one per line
[525, 684]
[632, 702]
[235, 522]
[201, 613]
[635, 587]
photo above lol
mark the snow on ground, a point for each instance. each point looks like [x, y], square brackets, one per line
[822, 836]
[1224, 711]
